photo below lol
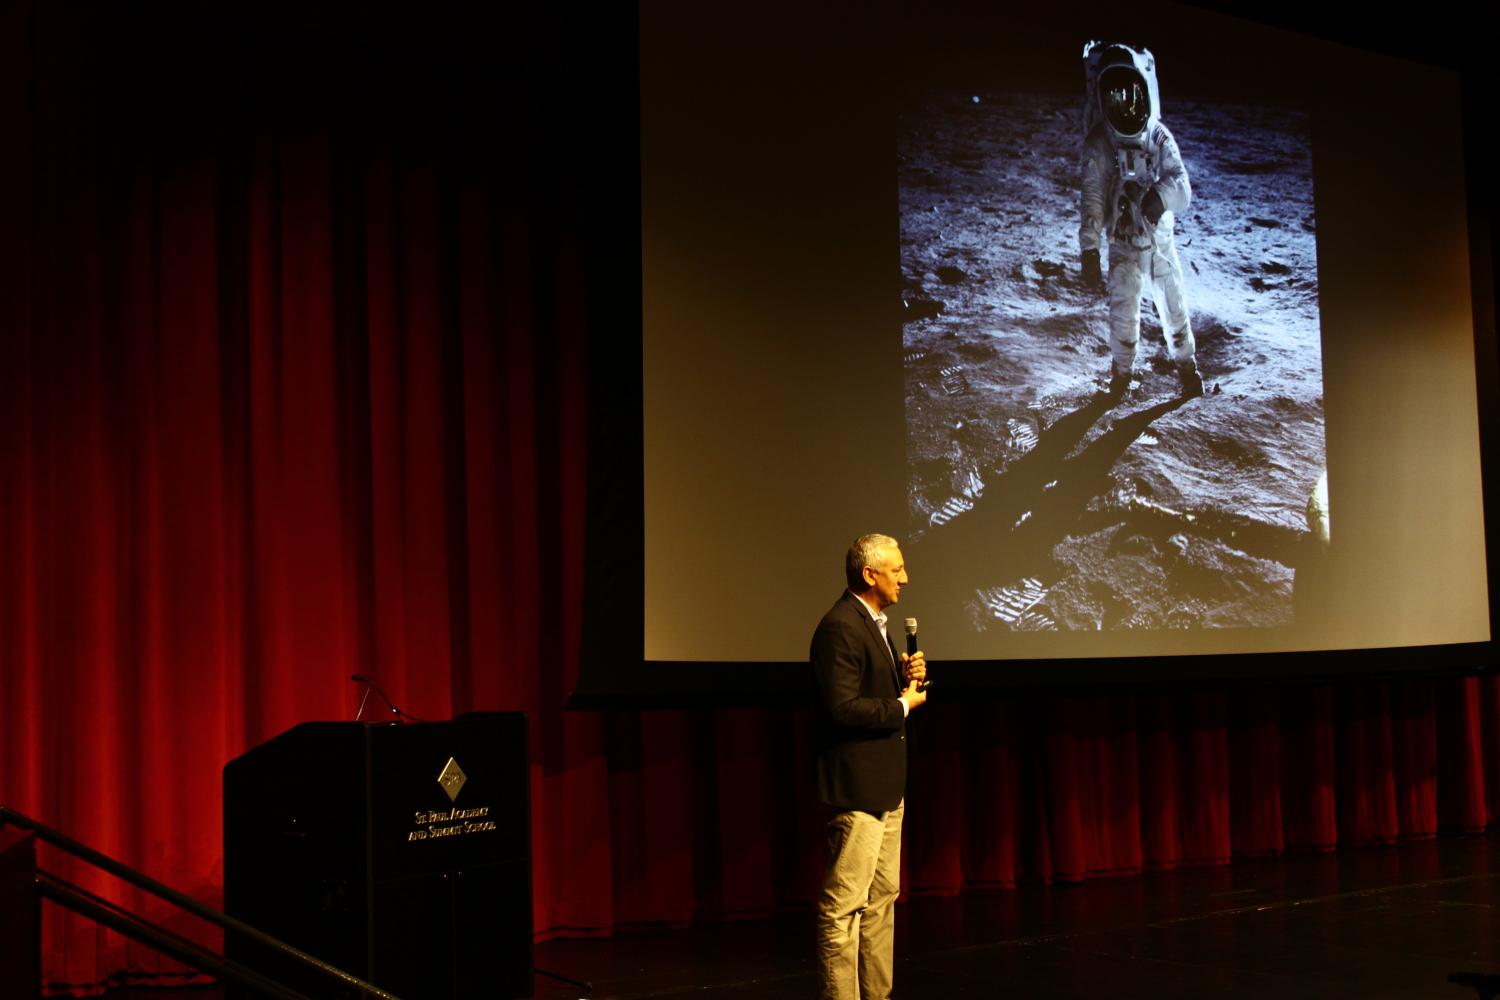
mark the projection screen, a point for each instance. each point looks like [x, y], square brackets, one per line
[863, 310]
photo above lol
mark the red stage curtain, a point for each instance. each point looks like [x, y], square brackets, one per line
[288, 396]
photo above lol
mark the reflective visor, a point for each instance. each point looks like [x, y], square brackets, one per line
[1124, 99]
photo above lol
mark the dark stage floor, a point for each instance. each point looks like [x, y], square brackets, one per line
[1372, 922]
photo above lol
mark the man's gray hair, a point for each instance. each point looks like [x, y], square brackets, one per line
[864, 552]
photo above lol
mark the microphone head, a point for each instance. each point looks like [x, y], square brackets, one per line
[911, 626]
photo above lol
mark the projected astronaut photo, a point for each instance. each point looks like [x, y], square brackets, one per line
[1134, 183]
[1114, 388]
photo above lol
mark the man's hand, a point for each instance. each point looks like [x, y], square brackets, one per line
[914, 696]
[1093, 277]
[914, 667]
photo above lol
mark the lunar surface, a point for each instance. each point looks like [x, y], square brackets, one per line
[1049, 506]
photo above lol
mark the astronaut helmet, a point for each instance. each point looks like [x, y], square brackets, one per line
[1121, 90]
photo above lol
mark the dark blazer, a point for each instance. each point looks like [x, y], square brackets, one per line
[861, 728]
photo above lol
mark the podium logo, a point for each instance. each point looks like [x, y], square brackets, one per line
[452, 779]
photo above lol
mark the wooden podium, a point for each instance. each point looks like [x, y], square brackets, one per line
[398, 853]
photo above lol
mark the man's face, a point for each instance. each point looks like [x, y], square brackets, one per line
[887, 577]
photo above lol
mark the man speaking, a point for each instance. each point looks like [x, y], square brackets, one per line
[865, 692]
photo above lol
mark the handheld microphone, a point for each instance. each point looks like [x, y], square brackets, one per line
[911, 646]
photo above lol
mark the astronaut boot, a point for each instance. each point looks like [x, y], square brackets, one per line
[1190, 380]
[1119, 383]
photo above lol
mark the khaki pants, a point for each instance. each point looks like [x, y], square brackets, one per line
[857, 910]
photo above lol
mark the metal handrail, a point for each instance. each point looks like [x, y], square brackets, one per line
[164, 941]
[136, 927]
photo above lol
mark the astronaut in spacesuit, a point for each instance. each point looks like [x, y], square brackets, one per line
[1133, 183]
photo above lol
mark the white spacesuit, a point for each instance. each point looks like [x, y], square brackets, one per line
[1133, 183]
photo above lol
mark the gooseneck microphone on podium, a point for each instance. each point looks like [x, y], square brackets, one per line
[911, 646]
[370, 685]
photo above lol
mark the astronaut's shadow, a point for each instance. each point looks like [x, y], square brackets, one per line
[1027, 509]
